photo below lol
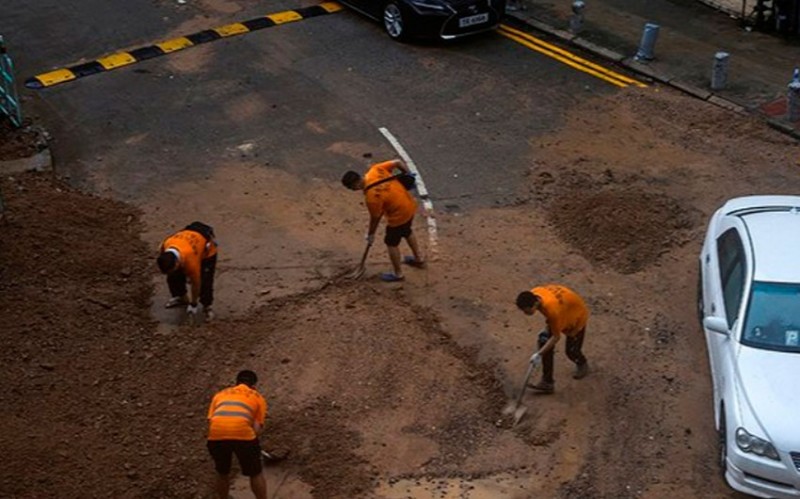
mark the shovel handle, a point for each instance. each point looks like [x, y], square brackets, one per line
[524, 384]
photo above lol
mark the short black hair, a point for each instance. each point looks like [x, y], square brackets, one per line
[247, 377]
[166, 261]
[350, 178]
[526, 300]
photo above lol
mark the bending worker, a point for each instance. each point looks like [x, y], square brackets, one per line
[235, 419]
[390, 198]
[566, 314]
[190, 254]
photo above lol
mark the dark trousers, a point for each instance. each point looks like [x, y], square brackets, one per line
[177, 281]
[574, 346]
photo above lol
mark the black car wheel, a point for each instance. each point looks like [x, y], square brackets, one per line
[722, 442]
[393, 21]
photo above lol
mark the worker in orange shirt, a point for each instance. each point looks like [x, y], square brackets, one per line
[566, 314]
[235, 420]
[190, 254]
[392, 199]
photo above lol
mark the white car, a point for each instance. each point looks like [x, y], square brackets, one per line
[749, 305]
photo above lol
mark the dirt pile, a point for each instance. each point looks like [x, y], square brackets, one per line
[16, 143]
[625, 228]
[362, 386]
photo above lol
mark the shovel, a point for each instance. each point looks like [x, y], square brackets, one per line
[274, 456]
[358, 273]
[515, 407]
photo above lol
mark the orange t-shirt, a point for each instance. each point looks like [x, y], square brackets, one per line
[233, 411]
[565, 311]
[389, 198]
[193, 249]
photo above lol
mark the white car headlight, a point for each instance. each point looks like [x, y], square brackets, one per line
[755, 445]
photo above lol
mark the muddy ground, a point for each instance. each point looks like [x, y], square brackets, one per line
[385, 390]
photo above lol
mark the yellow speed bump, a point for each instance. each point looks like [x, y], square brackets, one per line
[232, 29]
[331, 7]
[175, 44]
[285, 17]
[116, 60]
[55, 77]
[147, 52]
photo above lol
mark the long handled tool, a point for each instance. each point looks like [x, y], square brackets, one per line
[358, 273]
[515, 407]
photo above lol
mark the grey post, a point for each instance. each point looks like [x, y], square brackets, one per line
[794, 97]
[648, 43]
[576, 21]
[719, 72]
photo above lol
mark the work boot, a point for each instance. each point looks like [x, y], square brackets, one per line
[543, 387]
[581, 370]
[176, 301]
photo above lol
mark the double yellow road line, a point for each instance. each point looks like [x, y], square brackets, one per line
[567, 58]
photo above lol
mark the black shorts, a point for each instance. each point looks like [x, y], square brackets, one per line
[395, 234]
[248, 452]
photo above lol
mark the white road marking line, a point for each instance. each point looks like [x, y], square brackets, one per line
[421, 189]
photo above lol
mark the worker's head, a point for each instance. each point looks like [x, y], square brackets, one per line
[167, 262]
[528, 302]
[352, 180]
[247, 377]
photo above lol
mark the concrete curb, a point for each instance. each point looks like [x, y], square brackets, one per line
[651, 73]
[39, 162]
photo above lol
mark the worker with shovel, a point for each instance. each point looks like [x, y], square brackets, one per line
[190, 254]
[235, 419]
[387, 194]
[566, 314]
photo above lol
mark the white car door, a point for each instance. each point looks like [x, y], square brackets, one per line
[726, 267]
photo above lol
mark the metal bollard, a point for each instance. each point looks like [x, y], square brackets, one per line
[719, 72]
[576, 21]
[648, 43]
[514, 6]
[793, 96]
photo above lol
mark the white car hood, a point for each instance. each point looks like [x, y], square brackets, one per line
[769, 381]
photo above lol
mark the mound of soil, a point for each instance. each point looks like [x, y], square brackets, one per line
[17, 143]
[624, 229]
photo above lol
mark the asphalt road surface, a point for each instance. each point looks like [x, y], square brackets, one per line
[466, 110]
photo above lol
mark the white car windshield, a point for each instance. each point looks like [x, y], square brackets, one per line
[773, 317]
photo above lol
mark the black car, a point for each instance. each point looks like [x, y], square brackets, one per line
[444, 19]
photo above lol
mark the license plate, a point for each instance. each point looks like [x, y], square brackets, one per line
[473, 20]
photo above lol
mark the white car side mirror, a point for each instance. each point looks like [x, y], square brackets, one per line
[716, 324]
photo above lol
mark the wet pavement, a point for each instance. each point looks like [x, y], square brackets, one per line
[690, 33]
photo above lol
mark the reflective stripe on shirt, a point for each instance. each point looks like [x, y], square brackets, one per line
[233, 414]
[236, 404]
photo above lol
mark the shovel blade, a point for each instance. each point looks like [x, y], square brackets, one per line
[357, 273]
[519, 413]
[510, 408]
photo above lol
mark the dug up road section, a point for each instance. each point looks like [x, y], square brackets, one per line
[384, 390]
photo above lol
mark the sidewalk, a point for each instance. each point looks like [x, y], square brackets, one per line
[760, 67]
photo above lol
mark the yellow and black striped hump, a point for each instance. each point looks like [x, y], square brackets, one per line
[126, 58]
